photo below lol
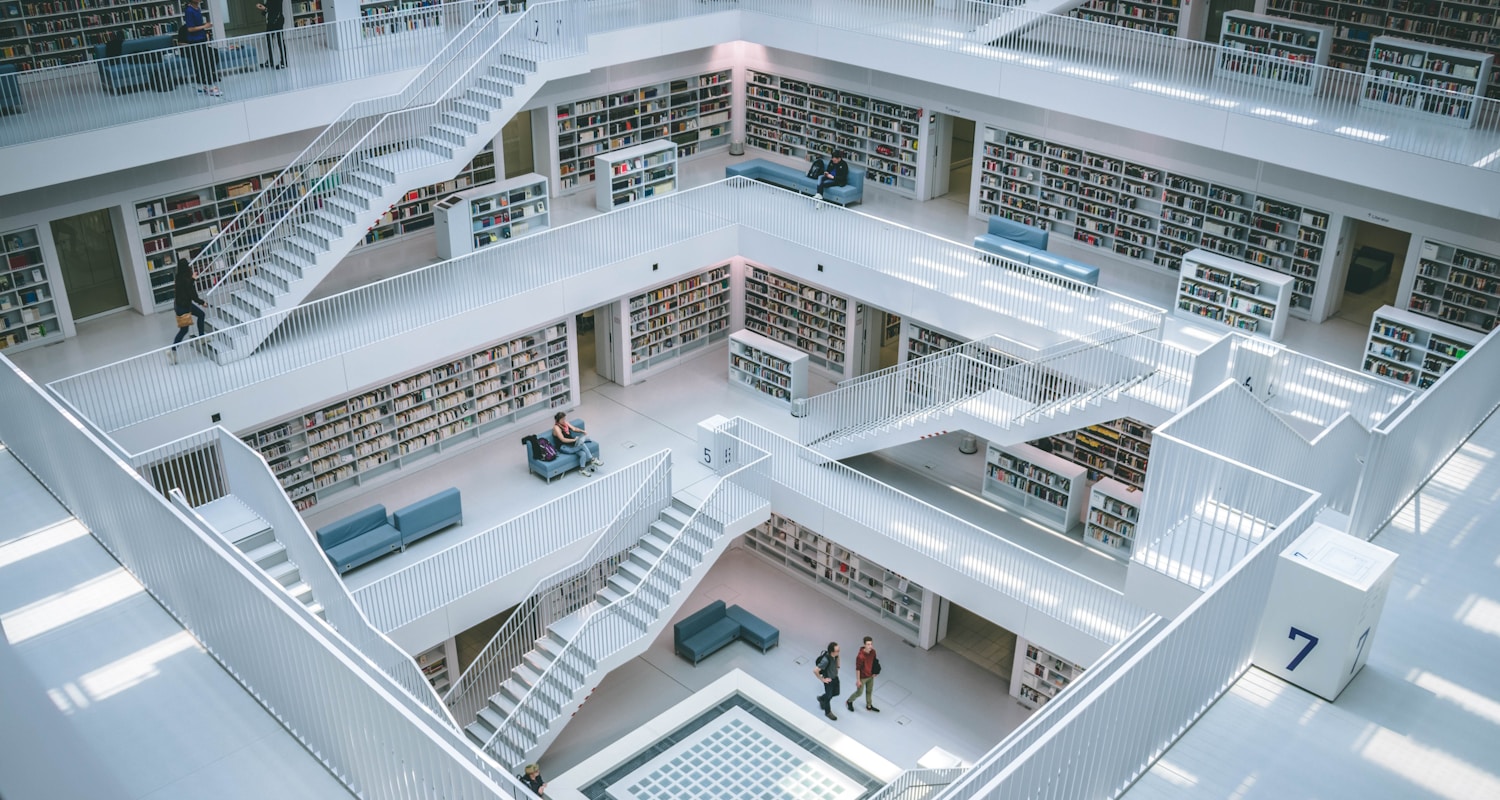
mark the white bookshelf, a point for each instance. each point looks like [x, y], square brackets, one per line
[671, 320]
[478, 218]
[439, 664]
[769, 368]
[792, 117]
[918, 339]
[1457, 285]
[1153, 16]
[1040, 485]
[884, 596]
[1414, 350]
[28, 308]
[179, 225]
[1038, 675]
[365, 434]
[1216, 290]
[1437, 83]
[692, 111]
[635, 173]
[413, 212]
[1273, 51]
[1144, 213]
[800, 315]
[1119, 449]
[1114, 510]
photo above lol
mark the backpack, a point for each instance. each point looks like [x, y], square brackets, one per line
[823, 663]
[549, 453]
[817, 169]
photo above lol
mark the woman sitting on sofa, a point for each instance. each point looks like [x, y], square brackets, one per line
[571, 439]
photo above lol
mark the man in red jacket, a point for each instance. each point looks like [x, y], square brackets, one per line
[866, 667]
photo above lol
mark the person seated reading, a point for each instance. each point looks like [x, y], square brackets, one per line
[571, 439]
[835, 174]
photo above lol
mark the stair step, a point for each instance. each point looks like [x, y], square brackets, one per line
[286, 573]
[327, 222]
[247, 542]
[450, 134]
[304, 245]
[472, 110]
[507, 74]
[318, 610]
[492, 84]
[265, 288]
[243, 298]
[664, 530]
[484, 97]
[433, 144]
[655, 543]
[460, 122]
[299, 591]
[524, 64]
[348, 204]
[266, 555]
[678, 517]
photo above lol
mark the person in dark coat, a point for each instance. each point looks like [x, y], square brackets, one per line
[836, 175]
[185, 300]
[194, 35]
[826, 670]
[275, 21]
[533, 779]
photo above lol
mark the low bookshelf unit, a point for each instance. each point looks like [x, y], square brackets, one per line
[767, 368]
[1040, 485]
[1218, 290]
[1414, 350]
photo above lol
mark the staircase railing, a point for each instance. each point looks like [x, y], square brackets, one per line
[613, 628]
[560, 594]
[918, 784]
[380, 126]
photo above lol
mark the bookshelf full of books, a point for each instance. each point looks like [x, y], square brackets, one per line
[1039, 675]
[1277, 52]
[1414, 350]
[635, 173]
[1040, 485]
[1119, 450]
[1457, 285]
[674, 319]
[800, 315]
[767, 368]
[919, 339]
[885, 596]
[439, 665]
[1146, 214]
[1222, 291]
[1437, 83]
[413, 212]
[488, 215]
[1152, 16]
[365, 434]
[35, 34]
[28, 308]
[792, 117]
[1114, 510]
[306, 12]
[692, 112]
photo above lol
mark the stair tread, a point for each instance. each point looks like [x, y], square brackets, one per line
[234, 520]
[265, 552]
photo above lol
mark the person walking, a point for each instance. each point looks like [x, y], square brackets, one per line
[275, 21]
[866, 667]
[571, 439]
[194, 34]
[826, 668]
[186, 304]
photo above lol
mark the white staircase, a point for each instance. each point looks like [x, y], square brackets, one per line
[577, 651]
[254, 537]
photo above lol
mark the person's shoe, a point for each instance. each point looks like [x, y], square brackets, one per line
[818, 196]
[830, 715]
[171, 356]
[872, 708]
[214, 92]
[849, 705]
[265, 65]
[281, 66]
[598, 462]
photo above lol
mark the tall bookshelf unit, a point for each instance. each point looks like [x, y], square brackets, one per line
[1152, 16]
[792, 117]
[1118, 450]
[1457, 285]
[1443, 84]
[877, 592]
[392, 425]
[40, 33]
[919, 340]
[672, 320]
[1247, 298]
[1040, 485]
[1274, 52]
[380, 18]
[800, 315]
[488, 215]
[768, 368]
[1039, 675]
[1413, 350]
[28, 308]
[413, 212]
[1114, 510]
[439, 664]
[693, 112]
[1357, 23]
[306, 12]
[635, 173]
[1147, 214]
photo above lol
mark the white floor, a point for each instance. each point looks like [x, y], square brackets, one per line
[155, 710]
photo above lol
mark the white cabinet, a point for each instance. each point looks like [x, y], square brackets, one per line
[635, 173]
[1441, 84]
[1414, 350]
[470, 220]
[1039, 485]
[28, 309]
[766, 367]
[1277, 52]
[1114, 510]
[1038, 675]
[1222, 291]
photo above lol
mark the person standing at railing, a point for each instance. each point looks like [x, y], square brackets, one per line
[275, 21]
[533, 779]
[186, 304]
[194, 34]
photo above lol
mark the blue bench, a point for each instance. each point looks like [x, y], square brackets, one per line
[564, 461]
[156, 61]
[10, 90]
[713, 627]
[1028, 245]
[359, 538]
[767, 171]
[428, 516]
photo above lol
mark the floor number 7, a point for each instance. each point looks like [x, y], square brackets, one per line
[1312, 641]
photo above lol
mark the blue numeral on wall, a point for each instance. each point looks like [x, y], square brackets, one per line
[1312, 641]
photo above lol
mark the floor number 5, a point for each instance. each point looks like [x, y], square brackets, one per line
[1312, 641]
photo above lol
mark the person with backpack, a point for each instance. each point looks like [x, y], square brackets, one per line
[866, 667]
[275, 21]
[533, 779]
[572, 440]
[826, 669]
[835, 174]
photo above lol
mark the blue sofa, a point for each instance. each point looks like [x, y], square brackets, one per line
[711, 628]
[767, 171]
[1028, 245]
[564, 461]
[359, 538]
[154, 61]
[10, 90]
[428, 516]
